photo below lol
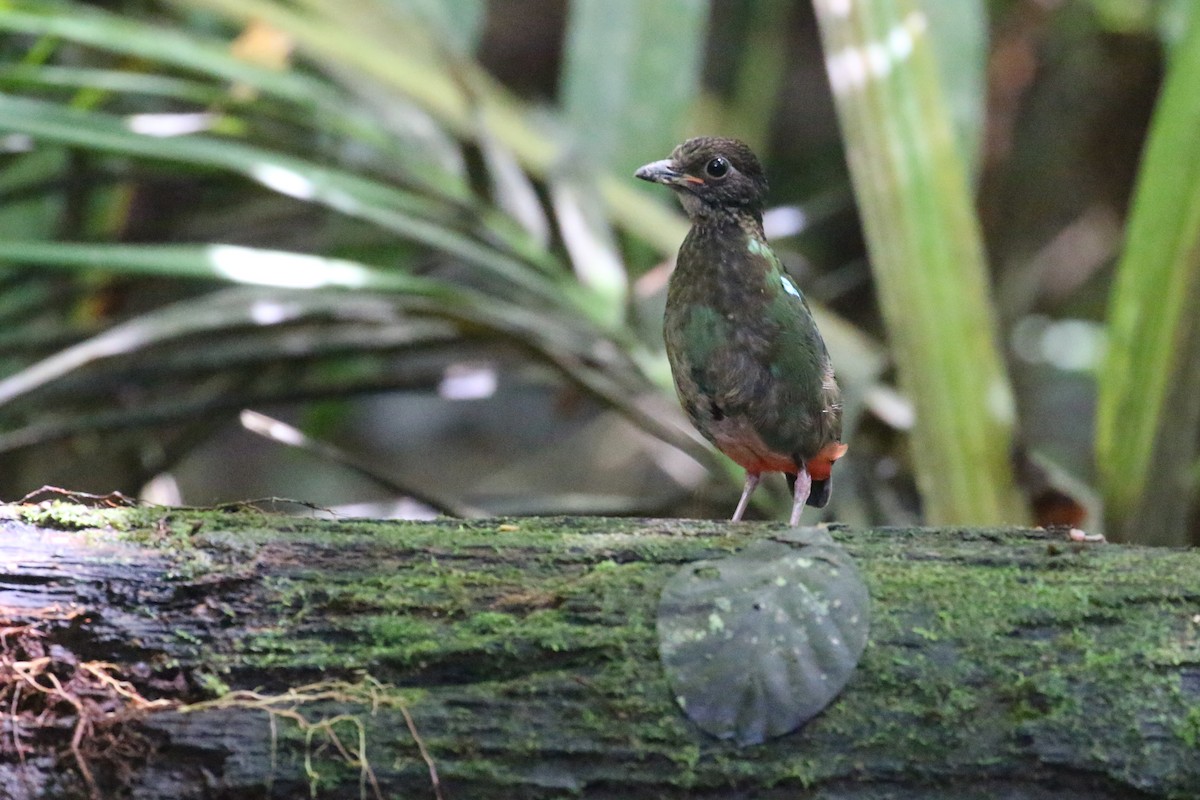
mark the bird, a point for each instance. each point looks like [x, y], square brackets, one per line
[750, 367]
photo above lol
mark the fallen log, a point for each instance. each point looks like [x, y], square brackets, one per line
[162, 653]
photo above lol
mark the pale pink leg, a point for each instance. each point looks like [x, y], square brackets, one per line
[803, 485]
[751, 484]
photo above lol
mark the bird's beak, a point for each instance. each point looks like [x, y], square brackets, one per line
[660, 172]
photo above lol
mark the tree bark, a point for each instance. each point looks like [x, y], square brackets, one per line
[265, 655]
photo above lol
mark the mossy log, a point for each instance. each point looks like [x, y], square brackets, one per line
[518, 659]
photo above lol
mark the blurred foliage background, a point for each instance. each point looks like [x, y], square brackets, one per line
[387, 256]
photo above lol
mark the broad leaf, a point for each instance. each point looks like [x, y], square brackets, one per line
[757, 644]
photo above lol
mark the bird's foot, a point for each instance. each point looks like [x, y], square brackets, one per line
[751, 484]
[1077, 535]
[800, 496]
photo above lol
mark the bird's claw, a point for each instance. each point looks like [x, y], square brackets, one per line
[1077, 535]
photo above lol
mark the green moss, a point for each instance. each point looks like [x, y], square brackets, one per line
[210, 684]
[1188, 729]
[66, 516]
[952, 629]
[949, 631]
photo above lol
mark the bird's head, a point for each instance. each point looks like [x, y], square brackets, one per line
[711, 175]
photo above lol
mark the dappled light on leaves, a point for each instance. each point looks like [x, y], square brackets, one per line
[165, 125]
[286, 270]
[285, 181]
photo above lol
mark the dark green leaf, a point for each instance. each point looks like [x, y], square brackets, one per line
[757, 644]
[394, 209]
[1147, 414]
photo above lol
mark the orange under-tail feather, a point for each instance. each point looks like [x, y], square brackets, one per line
[820, 465]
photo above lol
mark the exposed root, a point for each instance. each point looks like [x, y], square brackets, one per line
[46, 691]
[433, 775]
[323, 732]
[110, 500]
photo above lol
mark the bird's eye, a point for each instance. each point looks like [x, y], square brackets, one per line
[717, 167]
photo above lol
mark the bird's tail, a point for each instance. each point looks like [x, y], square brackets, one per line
[819, 494]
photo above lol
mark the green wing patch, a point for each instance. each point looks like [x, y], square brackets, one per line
[705, 332]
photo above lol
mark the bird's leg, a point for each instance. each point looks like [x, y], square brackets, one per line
[751, 483]
[800, 496]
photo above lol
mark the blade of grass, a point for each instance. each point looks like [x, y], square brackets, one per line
[926, 252]
[405, 213]
[605, 373]
[26, 77]
[959, 33]
[287, 435]
[631, 72]
[459, 23]
[1148, 409]
[320, 103]
[144, 41]
[217, 262]
[459, 96]
[26, 210]
[590, 243]
[161, 45]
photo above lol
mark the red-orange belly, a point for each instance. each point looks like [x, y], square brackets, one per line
[750, 452]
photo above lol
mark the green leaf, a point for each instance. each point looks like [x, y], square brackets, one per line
[567, 344]
[761, 69]
[756, 644]
[52, 76]
[1148, 409]
[462, 105]
[24, 211]
[959, 32]
[927, 256]
[592, 246]
[631, 74]
[315, 101]
[157, 44]
[408, 214]
[222, 262]
[459, 23]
